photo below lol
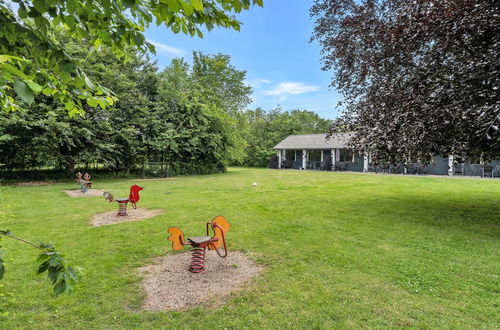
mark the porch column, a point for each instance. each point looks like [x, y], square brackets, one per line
[365, 162]
[279, 158]
[451, 166]
[304, 158]
[337, 154]
[334, 159]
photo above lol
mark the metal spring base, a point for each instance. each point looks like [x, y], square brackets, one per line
[197, 260]
[122, 209]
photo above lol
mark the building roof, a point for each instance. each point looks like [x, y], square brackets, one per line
[315, 141]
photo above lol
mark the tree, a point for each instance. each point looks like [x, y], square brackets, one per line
[223, 86]
[34, 61]
[419, 78]
[195, 121]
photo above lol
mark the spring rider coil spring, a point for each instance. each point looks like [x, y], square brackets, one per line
[197, 260]
[219, 225]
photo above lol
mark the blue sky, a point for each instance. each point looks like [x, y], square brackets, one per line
[273, 48]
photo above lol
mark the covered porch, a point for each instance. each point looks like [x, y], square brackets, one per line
[318, 152]
[340, 159]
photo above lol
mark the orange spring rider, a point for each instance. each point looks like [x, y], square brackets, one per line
[219, 225]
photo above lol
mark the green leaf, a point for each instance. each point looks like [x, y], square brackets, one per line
[110, 100]
[103, 103]
[10, 69]
[197, 5]
[40, 6]
[173, 4]
[66, 66]
[59, 288]
[22, 13]
[43, 267]
[92, 101]
[2, 267]
[87, 81]
[34, 86]
[23, 91]
[188, 9]
[128, 3]
[237, 5]
[8, 58]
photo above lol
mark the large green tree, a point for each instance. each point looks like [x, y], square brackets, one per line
[419, 77]
[223, 86]
[197, 119]
[34, 61]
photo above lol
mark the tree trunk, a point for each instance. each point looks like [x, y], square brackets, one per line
[70, 167]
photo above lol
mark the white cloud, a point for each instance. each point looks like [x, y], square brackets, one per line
[257, 82]
[166, 49]
[292, 88]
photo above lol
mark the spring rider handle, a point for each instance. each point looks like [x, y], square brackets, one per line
[217, 238]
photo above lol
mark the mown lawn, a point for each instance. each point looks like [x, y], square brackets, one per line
[340, 250]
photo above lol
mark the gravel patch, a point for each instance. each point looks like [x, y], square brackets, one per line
[90, 193]
[110, 218]
[170, 285]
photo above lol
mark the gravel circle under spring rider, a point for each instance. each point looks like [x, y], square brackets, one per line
[110, 217]
[169, 284]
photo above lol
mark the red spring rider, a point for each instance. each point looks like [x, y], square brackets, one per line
[220, 226]
[133, 198]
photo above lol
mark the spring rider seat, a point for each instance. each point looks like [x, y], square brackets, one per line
[85, 183]
[219, 225]
[133, 198]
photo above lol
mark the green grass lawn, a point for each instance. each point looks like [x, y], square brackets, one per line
[340, 250]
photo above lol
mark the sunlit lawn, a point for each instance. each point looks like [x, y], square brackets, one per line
[340, 250]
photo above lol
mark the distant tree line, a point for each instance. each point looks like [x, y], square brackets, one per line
[192, 116]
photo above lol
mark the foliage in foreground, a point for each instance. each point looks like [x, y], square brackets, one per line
[62, 276]
[419, 77]
[34, 61]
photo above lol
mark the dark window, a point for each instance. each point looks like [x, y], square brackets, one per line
[290, 155]
[345, 155]
[314, 155]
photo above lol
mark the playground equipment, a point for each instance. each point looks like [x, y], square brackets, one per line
[85, 183]
[220, 226]
[133, 198]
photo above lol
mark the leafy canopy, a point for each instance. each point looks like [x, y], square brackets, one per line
[34, 61]
[419, 77]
